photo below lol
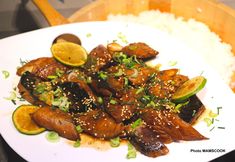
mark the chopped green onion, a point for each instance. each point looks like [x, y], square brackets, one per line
[218, 110]
[59, 72]
[172, 63]
[194, 113]
[52, 77]
[102, 75]
[12, 96]
[125, 81]
[122, 37]
[212, 129]
[180, 105]
[89, 80]
[131, 152]
[139, 90]
[208, 121]
[119, 73]
[88, 35]
[6, 74]
[135, 74]
[62, 103]
[100, 100]
[136, 123]
[151, 104]
[77, 143]
[113, 101]
[213, 115]
[23, 62]
[115, 142]
[79, 129]
[40, 88]
[52, 136]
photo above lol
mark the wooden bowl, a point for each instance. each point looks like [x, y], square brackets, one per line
[219, 17]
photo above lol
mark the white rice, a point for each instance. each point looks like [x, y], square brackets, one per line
[194, 34]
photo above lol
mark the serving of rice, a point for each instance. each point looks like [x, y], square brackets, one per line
[194, 34]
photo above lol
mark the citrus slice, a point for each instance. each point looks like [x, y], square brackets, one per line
[189, 88]
[23, 121]
[69, 53]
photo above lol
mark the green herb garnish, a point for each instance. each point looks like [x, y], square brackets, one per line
[79, 129]
[103, 75]
[115, 142]
[136, 123]
[100, 100]
[77, 143]
[52, 136]
[113, 101]
[6, 74]
[131, 151]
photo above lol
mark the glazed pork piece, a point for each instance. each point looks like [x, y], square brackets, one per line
[166, 123]
[147, 142]
[56, 120]
[99, 124]
[140, 50]
[97, 59]
[26, 86]
[42, 67]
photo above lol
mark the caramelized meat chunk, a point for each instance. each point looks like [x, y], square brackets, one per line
[97, 59]
[56, 120]
[165, 83]
[191, 111]
[99, 124]
[140, 50]
[170, 124]
[147, 142]
[42, 67]
[123, 108]
[78, 96]
[26, 88]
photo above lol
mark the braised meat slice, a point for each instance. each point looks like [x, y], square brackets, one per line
[56, 120]
[147, 142]
[123, 108]
[42, 67]
[139, 75]
[191, 111]
[170, 124]
[140, 50]
[78, 96]
[26, 88]
[165, 83]
[99, 124]
[97, 59]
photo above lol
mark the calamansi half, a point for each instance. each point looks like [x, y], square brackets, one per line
[23, 122]
[69, 53]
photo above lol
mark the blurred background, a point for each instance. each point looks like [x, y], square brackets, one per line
[19, 16]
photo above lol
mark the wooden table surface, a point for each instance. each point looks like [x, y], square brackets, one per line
[17, 16]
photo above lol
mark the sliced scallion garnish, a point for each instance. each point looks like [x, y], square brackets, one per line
[79, 129]
[77, 143]
[6, 74]
[115, 142]
[52, 136]
[131, 152]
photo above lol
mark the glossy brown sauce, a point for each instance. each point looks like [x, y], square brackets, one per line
[98, 144]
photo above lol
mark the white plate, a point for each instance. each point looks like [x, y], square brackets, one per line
[37, 43]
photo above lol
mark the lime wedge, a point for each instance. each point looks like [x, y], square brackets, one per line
[69, 53]
[189, 88]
